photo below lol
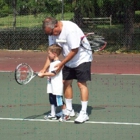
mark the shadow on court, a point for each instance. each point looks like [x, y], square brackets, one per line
[76, 108]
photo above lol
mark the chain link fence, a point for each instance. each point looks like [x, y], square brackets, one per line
[28, 33]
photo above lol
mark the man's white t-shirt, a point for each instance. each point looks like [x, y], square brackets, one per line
[72, 34]
[55, 83]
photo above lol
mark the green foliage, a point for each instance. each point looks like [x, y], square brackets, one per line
[100, 2]
[53, 7]
[85, 8]
[137, 16]
[4, 9]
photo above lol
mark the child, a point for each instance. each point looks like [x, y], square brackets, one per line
[55, 81]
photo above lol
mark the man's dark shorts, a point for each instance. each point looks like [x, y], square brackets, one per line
[82, 73]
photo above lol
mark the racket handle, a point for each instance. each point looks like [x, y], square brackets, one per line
[36, 73]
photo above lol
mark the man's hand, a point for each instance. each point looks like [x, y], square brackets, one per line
[71, 54]
[58, 67]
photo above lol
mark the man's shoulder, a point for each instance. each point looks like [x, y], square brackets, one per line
[67, 22]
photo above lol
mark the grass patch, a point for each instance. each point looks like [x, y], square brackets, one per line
[22, 21]
[28, 21]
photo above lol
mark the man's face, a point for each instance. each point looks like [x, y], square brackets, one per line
[49, 31]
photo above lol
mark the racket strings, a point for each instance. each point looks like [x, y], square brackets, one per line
[96, 42]
[23, 74]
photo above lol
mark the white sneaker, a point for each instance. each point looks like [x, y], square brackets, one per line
[72, 114]
[50, 117]
[65, 117]
[82, 117]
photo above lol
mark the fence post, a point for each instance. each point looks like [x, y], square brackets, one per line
[110, 20]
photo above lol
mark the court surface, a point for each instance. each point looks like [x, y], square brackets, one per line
[114, 110]
[114, 104]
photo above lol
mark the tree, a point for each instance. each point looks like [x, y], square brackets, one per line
[110, 7]
[4, 8]
[14, 5]
[128, 9]
[53, 7]
[83, 8]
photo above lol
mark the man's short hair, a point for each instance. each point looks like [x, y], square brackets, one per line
[49, 22]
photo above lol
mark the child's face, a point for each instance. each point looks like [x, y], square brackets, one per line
[51, 55]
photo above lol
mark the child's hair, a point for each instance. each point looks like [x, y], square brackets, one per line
[55, 48]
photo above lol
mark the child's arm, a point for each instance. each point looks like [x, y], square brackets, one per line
[50, 74]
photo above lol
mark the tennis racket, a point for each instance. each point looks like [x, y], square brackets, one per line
[96, 42]
[24, 74]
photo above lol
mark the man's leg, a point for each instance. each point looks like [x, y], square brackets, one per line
[68, 94]
[84, 95]
[82, 117]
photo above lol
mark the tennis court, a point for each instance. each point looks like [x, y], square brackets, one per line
[114, 104]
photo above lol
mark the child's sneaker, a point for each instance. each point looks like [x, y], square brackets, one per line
[65, 117]
[72, 114]
[82, 117]
[50, 117]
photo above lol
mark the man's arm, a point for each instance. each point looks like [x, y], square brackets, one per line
[71, 54]
[46, 65]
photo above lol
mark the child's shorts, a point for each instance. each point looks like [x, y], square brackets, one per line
[56, 100]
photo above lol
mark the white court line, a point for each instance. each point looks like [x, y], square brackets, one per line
[115, 74]
[100, 73]
[89, 122]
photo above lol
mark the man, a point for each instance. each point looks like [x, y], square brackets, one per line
[76, 63]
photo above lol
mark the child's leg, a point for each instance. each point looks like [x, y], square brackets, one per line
[60, 102]
[52, 99]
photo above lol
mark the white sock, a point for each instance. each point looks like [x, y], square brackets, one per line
[68, 103]
[84, 106]
[53, 110]
[64, 111]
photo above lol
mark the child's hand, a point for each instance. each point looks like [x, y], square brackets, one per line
[41, 75]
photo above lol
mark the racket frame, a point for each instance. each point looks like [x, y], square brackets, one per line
[34, 74]
[93, 48]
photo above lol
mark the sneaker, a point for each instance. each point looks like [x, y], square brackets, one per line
[65, 117]
[50, 117]
[72, 114]
[82, 117]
